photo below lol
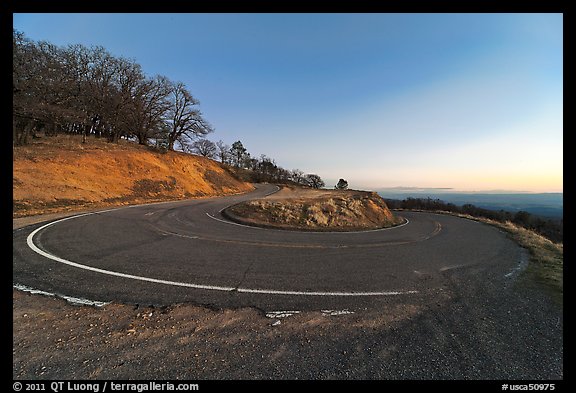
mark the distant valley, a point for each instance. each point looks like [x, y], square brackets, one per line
[548, 205]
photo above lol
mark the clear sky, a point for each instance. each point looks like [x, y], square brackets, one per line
[472, 102]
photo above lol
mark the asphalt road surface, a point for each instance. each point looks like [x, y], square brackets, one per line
[454, 287]
[186, 251]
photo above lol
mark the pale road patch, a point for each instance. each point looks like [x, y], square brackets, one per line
[70, 299]
[36, 249]
[522, 264]
[445, 268]
[281, 314]
[334, 313]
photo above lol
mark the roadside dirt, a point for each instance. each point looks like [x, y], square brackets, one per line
[317, 210]
[454, 335]
[182, 341]
[59, 174]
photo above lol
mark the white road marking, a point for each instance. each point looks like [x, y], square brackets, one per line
[522, 263]
[321, 232]
[232, 223]
[333, 313]
[272, 229]
[281, 314]
[445, 268]
[302, 293]
[33, 247]
[70, 299]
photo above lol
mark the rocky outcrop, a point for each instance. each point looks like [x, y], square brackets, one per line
[336, 211]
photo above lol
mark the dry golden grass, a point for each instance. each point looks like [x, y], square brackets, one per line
[61, 173]
[546, 257]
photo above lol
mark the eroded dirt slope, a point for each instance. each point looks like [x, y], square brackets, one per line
[62, 174]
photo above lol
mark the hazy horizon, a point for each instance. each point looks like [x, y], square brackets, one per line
[548, 204]
[440, 190]
[470, 102]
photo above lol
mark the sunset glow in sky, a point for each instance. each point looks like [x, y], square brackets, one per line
[468, 101]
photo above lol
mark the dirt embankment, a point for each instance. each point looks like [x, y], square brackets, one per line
[62, 174]
[317, 210]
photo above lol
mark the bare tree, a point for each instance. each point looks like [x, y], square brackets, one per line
[24, 88]
[128, 77]
[223, 152]
[204, 147]
[267, 168]
[76, 89]
[148, 108]
[185, 120]
[296, 175]
[282, 175]
[314, 181]
[99, 88]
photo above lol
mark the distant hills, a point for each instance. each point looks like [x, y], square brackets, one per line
[542, 204]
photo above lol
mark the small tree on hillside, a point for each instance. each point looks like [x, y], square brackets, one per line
[342, 185]
[204, 147]
[223, 152]
[314, 181]
[297, 176]
[238, 153]
[185, 120]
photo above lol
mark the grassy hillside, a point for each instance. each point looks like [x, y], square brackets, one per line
[61, 174]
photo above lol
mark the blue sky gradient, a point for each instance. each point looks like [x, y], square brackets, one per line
[466, 101]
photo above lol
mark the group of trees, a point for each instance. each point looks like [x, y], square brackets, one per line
[81, 90]
[88, 91]
[263, 169]
[549, 228]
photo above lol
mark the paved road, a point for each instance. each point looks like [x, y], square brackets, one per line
[438, 298]
[186, 251]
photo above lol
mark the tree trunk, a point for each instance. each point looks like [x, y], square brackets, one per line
[23, 137]
[87, 131]
[14, 133]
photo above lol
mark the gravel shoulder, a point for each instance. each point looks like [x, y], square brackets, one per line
[459, 335]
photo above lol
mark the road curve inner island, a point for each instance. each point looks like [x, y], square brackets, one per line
[186, 251]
